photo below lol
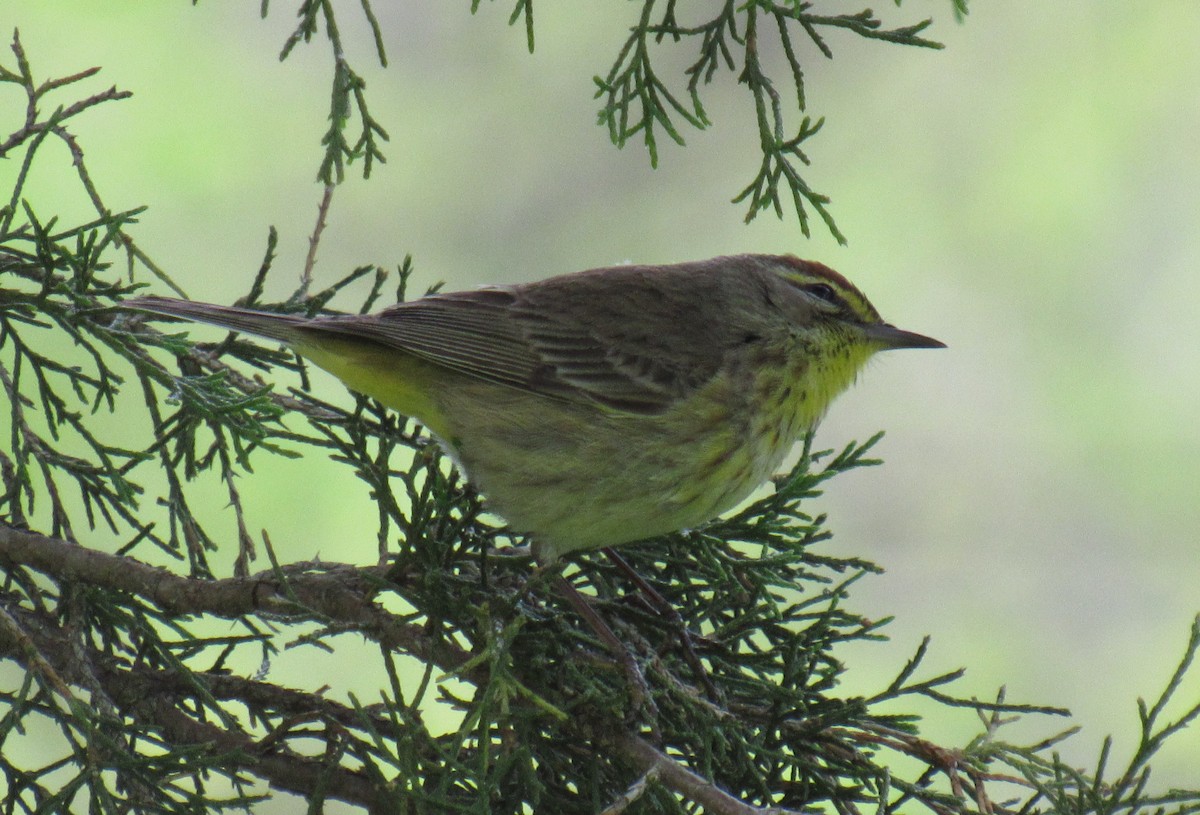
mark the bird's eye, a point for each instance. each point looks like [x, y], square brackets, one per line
[823, 291]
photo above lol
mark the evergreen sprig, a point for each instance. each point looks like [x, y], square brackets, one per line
[638, 100]
[348, 99]
[522, 10]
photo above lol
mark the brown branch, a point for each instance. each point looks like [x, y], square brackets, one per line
[293, 773]
[314, 240]
[155, 699]
[22, 646]
[679, 779]
[338, 592]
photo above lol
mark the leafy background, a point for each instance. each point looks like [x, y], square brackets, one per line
[1030, 195]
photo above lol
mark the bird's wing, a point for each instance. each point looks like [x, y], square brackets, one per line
[635, 350]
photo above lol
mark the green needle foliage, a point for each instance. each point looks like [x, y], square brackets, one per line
[638, 100]
[131, 694]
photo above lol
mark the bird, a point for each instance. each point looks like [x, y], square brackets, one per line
[610, 405]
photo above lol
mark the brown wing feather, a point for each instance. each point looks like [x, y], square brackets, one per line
[627, 337]
[470, 332]
[633, 337]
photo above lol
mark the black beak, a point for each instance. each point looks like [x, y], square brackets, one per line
[890, 337]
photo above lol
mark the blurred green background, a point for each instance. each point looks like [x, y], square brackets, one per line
[1030, 195]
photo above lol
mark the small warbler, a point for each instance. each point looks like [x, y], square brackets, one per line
[611, 405]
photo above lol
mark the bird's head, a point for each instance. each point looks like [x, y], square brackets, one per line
[837, 309]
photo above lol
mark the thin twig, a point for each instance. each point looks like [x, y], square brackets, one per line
[314, 240]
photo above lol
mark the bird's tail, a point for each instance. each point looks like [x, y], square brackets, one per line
[282, 327]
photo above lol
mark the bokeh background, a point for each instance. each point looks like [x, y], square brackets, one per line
[1030, 195]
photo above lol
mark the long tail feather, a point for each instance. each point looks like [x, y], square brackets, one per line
[282, 327]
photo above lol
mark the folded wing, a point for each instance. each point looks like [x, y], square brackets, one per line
[636, 350]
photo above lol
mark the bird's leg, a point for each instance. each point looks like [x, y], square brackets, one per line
[639, 688]
[665, 609]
